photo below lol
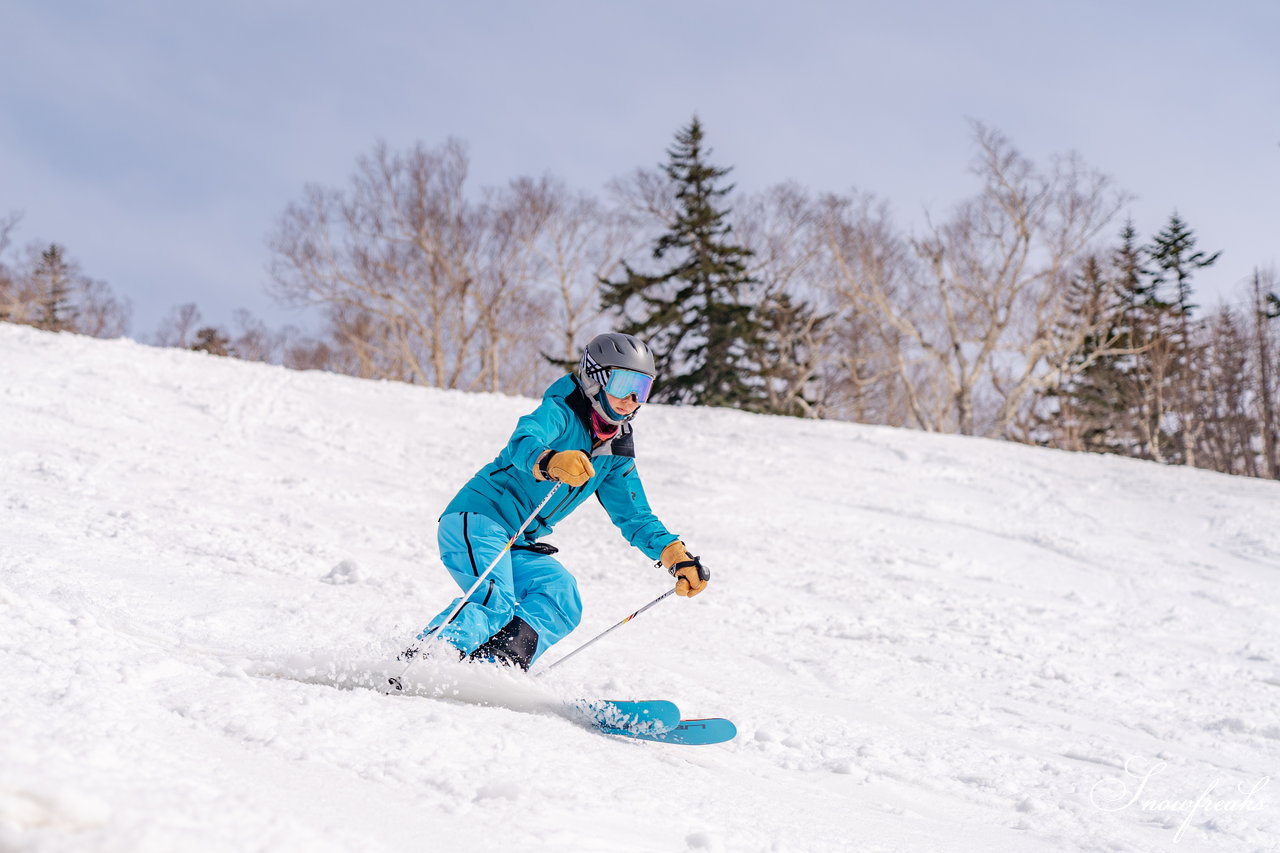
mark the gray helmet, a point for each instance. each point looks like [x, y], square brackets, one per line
[605, 352]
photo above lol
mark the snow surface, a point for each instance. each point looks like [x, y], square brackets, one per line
[927, 642]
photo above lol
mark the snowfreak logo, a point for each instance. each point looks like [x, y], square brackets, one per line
[1135, 790]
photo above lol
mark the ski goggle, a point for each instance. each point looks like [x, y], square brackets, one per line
[627, 383]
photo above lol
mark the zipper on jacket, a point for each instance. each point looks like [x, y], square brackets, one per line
[568, 499]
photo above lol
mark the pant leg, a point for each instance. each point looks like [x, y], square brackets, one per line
[547, 595]
[468, 544]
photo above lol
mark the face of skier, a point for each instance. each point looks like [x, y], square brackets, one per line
[622, 405]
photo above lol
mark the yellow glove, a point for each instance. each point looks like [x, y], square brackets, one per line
[691, 576]
[568, 466]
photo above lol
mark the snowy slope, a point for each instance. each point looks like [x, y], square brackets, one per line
[928, 642]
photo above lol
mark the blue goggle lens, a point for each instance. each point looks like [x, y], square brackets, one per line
[625, 383]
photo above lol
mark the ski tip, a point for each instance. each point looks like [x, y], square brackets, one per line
[702, 732]
[699, 732]
[711, 727]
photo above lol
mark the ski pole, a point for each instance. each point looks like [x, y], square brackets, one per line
[601, 635]
[395, 681]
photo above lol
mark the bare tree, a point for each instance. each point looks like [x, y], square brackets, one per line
[254, 340]
[781, 226]
[8, 286]
[420, 282]
[8, 224]
[509, 310]
[394, 260]
[646, 201]
[179, 326]
[576, 242]
[646, 195]
[1265, 305]
[875, 375]
[1221, 383]
[100, 313]
[983, 310]
[311, 354]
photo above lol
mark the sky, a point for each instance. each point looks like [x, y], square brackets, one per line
[160, 143]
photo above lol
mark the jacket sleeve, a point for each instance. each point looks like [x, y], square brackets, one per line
[535, 432]
[622, 495]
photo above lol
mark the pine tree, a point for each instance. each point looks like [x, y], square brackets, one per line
[696, 314]
[210, 339]
[791, 334]
[1099, 405]
[1175, 259]
[1122, 382]
[1173, 253]
[1091, 398]
[53, 277]
[1142, 334]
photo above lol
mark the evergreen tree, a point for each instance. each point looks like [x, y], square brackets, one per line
[1093, 394]
[53, 278]
[1143, 337]
[210, 339]
[789, 356]
[695, 314]
[1099, 402]
[1128, 390]
[1175, 260]
[1139, 292]
[1131, 386]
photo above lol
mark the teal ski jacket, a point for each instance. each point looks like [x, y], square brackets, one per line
[506, 491]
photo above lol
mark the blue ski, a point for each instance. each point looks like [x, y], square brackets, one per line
[688, 732]
[630, 716]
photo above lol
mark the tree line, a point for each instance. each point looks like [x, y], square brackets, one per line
[1026, 312]
[45, 287]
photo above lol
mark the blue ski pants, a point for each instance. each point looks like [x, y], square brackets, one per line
[533, 586]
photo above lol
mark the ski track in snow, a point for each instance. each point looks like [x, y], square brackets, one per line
[927, 642]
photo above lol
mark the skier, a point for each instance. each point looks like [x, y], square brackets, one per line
[579, 436]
